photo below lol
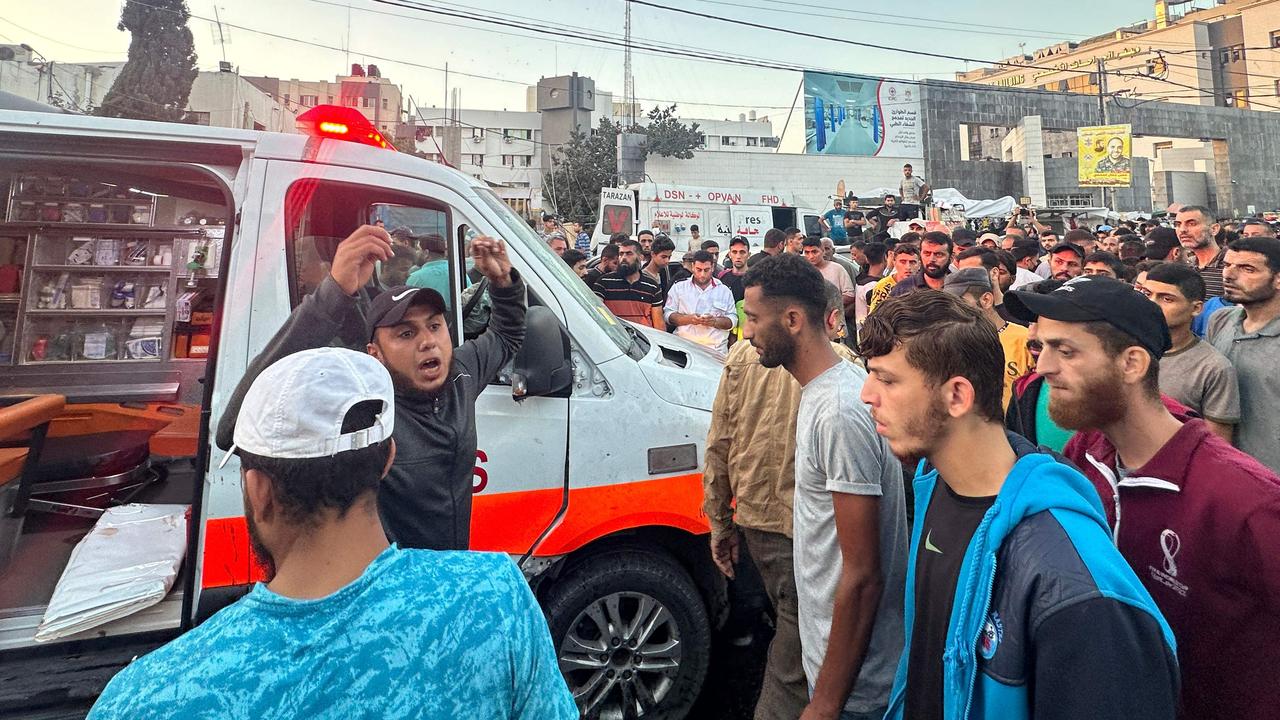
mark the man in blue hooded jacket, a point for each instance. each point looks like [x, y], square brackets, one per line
[1017, 603]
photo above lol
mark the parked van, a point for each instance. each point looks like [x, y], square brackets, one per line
[718, 213]
[155, 261]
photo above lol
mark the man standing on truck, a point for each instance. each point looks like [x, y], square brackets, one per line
[850, 520]
[315, 439]
[833, 222]
[914, 191]
[425, 501]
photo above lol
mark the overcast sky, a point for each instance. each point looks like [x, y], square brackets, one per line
[85, 30]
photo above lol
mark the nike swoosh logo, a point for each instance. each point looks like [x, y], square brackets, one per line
[928, 543]
[403, 295]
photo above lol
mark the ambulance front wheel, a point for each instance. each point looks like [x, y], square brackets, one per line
[631, 634]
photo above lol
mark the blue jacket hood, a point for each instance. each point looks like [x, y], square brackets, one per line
[1039, 481]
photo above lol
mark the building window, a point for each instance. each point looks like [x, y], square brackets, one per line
[351, 101]
[1069, 201]
[518, 133]
[1230, 55]
[1238, 98]
[307, 100]
[473, 159]
[198, 118]
[1275, 38]
[1086, 83]
[385, 105]
[286, 99]
[507, 160]
[753, 142]
[368, 102]
[330, 100]
[1278, 88]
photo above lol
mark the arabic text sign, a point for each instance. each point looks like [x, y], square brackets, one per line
[676, 221]
[1103, 153]
[751, 223]
[859, 115]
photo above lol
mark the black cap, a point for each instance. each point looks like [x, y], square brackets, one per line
[1067, 246]
[391, 305]
[1091, 298]
[1160, 247]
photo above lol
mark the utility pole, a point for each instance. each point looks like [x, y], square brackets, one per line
[1108, 194]
[628, 82]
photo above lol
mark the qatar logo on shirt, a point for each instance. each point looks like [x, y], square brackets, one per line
[1170, 544]
[992, 634]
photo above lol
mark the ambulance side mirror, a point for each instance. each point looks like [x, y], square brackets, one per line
[542, 366]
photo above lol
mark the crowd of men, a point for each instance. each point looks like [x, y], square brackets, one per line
[1087, 424]
[997, 476]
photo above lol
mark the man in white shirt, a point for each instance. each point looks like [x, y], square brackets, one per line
[1026, 252]
[701, 307]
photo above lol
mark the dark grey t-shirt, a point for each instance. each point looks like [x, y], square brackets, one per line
[838, 451]
[1255, 356]
[1203, 379]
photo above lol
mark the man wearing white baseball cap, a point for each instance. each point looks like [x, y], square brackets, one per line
[348, 625]
[425, 501]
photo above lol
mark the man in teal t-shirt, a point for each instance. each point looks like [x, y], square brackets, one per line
[348, 626]
[434, 273]
[833, 221]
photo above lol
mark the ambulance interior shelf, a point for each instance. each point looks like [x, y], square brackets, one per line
[92, 283]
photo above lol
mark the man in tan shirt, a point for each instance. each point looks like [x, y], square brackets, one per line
[751, 449]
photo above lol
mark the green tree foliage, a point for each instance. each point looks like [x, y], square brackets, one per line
[590, 160]
[155, 82]
[667, 136]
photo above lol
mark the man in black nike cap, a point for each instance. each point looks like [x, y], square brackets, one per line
[425, 500]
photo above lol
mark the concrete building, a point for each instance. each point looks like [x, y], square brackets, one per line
[1225, 50]
[376, 97]
[221, 99]
[746, 134]
[1231, 150]
[228, 99]
[499, 147]
[1223, 53]
[78, 87]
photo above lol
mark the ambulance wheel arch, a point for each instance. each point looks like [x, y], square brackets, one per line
[643, 604]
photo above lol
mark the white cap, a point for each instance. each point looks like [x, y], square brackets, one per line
[295, 408]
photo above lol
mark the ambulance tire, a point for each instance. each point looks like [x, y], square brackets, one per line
[629, 582]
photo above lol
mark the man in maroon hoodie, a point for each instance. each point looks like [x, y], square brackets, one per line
[1198, 520]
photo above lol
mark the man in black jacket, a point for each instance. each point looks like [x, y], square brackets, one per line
[425, 500]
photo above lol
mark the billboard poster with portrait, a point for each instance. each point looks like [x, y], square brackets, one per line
[1102, 156]
[861, 115]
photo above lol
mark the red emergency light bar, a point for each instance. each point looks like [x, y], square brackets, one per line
[341, 123]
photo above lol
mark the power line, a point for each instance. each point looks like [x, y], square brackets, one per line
[60, 42]
[856, 43]
[1052, 33]
[894, 21]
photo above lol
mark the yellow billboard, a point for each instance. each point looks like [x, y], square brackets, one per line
[1103, 153]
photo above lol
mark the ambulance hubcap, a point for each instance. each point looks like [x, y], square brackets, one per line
[621, 656]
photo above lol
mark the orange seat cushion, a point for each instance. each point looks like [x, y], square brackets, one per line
[11, 462]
